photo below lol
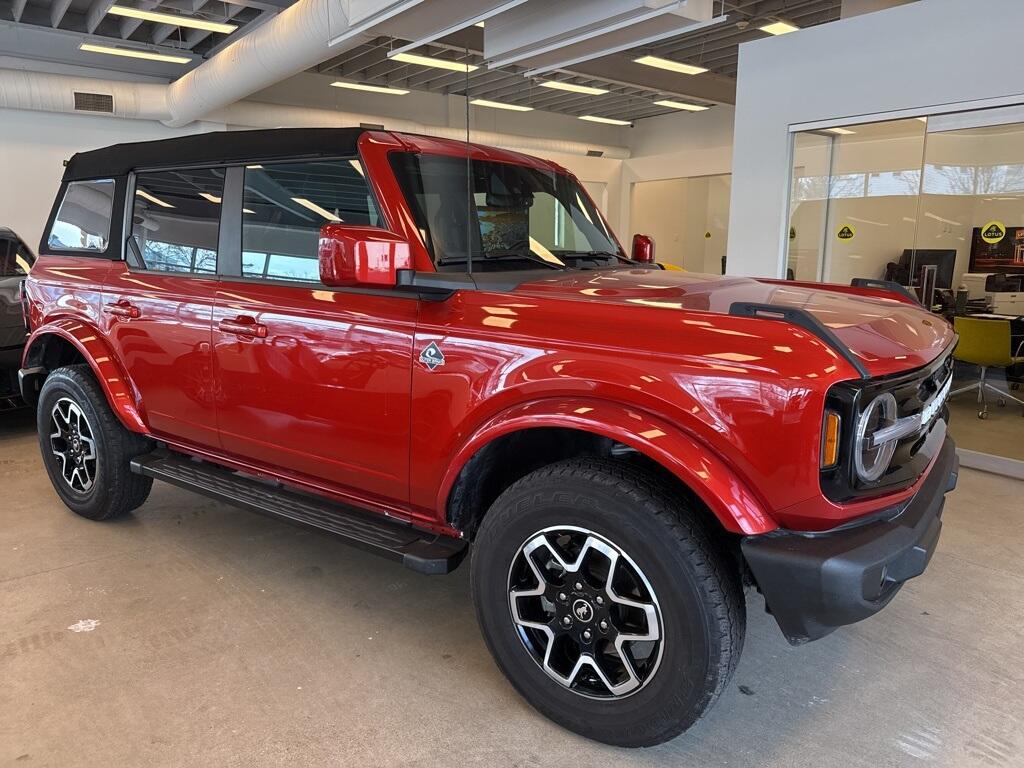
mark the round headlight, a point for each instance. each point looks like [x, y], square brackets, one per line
[870, 460]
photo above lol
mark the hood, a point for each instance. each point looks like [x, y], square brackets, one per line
[888, 335]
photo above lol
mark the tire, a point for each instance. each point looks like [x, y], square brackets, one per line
[104, 486]
[666, 561]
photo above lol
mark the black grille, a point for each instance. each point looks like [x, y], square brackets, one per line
[94, 102]
[912, 390]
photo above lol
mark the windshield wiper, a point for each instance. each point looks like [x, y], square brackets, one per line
[594, 255]
[524, 255]
[503, 256]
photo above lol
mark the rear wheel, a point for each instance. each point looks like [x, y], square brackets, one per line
[606, 602]
[85, 448]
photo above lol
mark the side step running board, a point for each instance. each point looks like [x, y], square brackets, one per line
[416, 549]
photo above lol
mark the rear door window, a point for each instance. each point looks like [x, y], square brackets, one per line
[176, 220]
[83, 219]
[285, 204]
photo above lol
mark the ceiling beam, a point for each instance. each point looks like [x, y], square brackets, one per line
[95, 14]
[18, 8]
[622, 70]
[57, 10]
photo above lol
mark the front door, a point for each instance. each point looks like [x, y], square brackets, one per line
[157, 304]
[313, 382]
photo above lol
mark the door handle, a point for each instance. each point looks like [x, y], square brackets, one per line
[123, 309]
[244, 326]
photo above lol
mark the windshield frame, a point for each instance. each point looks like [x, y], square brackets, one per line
[565, 188]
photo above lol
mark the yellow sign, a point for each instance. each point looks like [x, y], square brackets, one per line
[707, 235]
[993, 232]
[846, 232]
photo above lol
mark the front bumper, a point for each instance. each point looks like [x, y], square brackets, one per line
[814, 583]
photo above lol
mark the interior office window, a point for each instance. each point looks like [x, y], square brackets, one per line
[285, 204]
[83, 219]
[15, 257]
[176, 220]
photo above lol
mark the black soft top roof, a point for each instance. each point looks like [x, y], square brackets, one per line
[215, 147]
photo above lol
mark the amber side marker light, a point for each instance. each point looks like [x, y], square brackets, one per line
[830, 440]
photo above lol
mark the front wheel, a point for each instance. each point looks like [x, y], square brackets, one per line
[86, 450]
[606, 602]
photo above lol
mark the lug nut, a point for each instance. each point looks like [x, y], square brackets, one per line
[566, 621]
[578, 585]
[603, 625]
[599, 600]
[587, 635]
[562, 596]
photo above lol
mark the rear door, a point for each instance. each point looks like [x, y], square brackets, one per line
[313, 382]
[158, 302]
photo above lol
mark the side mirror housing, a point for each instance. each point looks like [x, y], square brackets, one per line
[643, 249]
[352, 256]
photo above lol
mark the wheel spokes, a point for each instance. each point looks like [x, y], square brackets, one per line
[73, 444]
[579, 628]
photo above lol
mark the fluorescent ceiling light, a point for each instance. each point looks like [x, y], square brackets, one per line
[840, 131]
[500, 105]
[671, 66]
[152, 198]
[429, 61]
[211, 198]
[479, 24]
[558, 85]
[173, 19]
[922, 119]
[254, 167]
[315, 208]
[370, 88]
[779, 28]
[134, 53]
[680, 105]
[358, 166]
[607, 120]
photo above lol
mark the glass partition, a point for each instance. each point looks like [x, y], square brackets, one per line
[854, 199]
[971, 235]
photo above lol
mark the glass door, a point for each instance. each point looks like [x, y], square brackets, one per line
[970, 237]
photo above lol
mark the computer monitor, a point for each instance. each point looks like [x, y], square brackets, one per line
[944, 260]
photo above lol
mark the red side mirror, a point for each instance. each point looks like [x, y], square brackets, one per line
[643, 248]
[352, 256]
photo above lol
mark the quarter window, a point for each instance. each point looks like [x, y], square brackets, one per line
[176, 220]
[83, 219]
[285, 204]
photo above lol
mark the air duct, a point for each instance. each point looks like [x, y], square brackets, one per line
[296, 39]
[47, 92]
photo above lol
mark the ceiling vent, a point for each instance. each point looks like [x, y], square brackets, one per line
[595, 153]
[94, 102]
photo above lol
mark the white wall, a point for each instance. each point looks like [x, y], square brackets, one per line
[34, 146]
[922, 58]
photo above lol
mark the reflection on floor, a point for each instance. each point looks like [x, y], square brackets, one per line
[1001, 434]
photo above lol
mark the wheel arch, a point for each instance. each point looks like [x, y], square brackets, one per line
[550, 430]
[70, 341]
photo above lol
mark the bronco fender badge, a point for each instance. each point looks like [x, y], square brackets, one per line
[432, 356]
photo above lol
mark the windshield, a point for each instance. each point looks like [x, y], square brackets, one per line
[518, 217]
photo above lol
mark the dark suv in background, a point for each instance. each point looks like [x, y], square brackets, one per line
[15, 261]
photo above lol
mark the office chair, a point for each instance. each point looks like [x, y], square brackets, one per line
[985, 343]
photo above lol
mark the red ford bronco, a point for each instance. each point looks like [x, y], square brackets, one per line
[429, 348]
